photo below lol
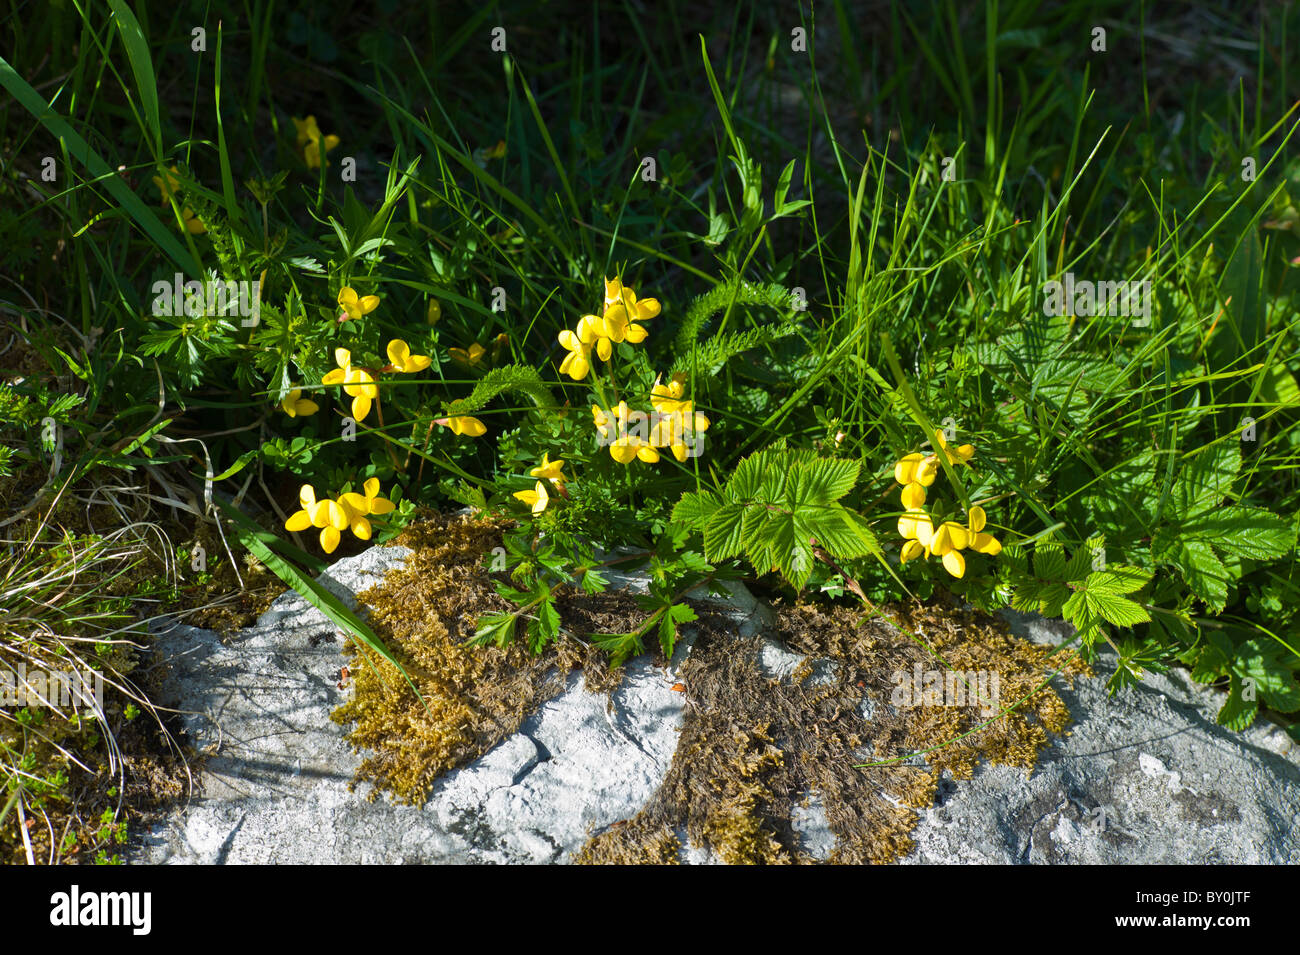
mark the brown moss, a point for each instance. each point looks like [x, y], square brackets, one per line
[425, 611]
[745, 757]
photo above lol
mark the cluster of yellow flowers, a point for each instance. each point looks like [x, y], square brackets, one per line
[675, 424]
[332, 517]
[618, 323]
[361, 385]
[917, 472]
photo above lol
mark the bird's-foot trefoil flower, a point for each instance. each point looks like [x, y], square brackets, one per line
[537, 498]
[310, 141]
[463, 424]
[328, 515]
[355, 306]
[401, 359]
[357, 382]
[577, 363]
[357, 507]
[294, 404]
[549, 470]
[167, 186]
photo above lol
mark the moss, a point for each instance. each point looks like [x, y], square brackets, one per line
[745, 758]
[425, 611]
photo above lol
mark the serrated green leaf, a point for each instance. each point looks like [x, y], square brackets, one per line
[1205, 574]
[694, 509]
[1117, 579]
[1118, 611]
[723, 532]
[1246, 531]
[1237, 713]
[1049, 561]
[1205, 481]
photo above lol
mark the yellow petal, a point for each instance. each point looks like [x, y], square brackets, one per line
[360, 407]
[417, 363]
[604, 349]
[589, 329]
[927, 471]
[941, 543]
[987, 544]
[913, 496]
[911, 550]
[356, 503]
[371, 487]
[343, 358]
[335, 377]
[976, 519]
[959, 535]
[307, 497]
[320, 514]
[398, 352]
[647, 454]
[330, 142]
[622, 453]
[347, 298]
[647, 308]
[905, 469]
[575, 366]
[954, 563]
[966, 452]
[381, 505]
[368, 304]
[305, 406]
[298, 521]
[469, 426]
[329, 539]
[636, 334]
[338, 516]
[571, 341]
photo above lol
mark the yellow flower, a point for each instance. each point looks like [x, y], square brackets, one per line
[328, 515]
[309, 140]
[959, 455]
[916, 525]
[399, 354]
[294, 404]
[353, 306]
[984, 543]
[604, 423]
[577, 363]
[672, 428]
[666, 398]
[628, 447]
[463, 424]
[913, 496]
[550, 470]
[622, 314]
[916, 469]
[536, 499]
[950, 539]
[357, 382]
[468, 359]
[167, 186]
[591, 331]
[357, 506]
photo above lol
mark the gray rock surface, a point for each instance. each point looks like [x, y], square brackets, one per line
[1145, 777]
